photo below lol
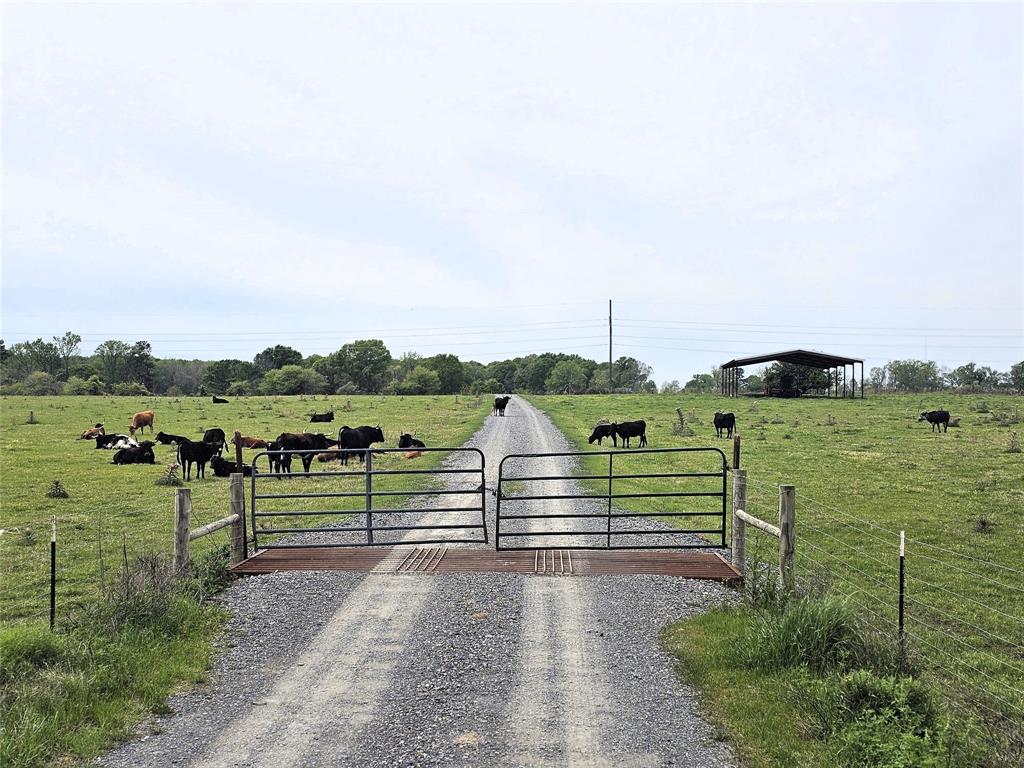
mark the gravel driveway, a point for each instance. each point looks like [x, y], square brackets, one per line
[380, 669]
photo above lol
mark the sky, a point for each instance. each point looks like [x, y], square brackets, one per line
[482, 179]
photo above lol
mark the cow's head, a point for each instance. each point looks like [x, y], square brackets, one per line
[378, 435]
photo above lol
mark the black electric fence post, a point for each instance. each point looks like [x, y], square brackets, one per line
[902, 634]
[53, 569]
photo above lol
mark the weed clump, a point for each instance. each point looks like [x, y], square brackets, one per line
[170, 477]
[984, 525]
[679, 427]
[57, 491]
[1014, 446]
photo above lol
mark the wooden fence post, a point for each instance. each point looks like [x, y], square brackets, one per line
[182, 513]
[739, 529]
[787, 539]
[238, 452]
[736, 451]
[236, 534]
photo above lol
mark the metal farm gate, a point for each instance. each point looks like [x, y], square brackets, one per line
[585, 512]
[350, 508]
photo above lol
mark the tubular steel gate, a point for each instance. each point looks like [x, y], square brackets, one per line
[362, 524]
[595, 520]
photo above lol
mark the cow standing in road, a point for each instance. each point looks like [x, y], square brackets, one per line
[500, 403]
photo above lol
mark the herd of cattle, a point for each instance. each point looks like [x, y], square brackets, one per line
[208, 450]
[725, 423]
[350, 442]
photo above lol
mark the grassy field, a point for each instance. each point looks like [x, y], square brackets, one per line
[864, 470]
[121, 508]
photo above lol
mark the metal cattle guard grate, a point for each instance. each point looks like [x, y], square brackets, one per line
[579, 510]
[368, 523]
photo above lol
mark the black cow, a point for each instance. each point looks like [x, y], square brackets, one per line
[326, 416]
[360, 437]
[291, 441]
[408, 441]
[198, 453]
[216, 436]
[601, 431]
[499, 405]
[219, 399]
[165, 438]
[279, 462]
[724, 422]
[935, 418]
[112, 442]
[139, 454]
[224, 468]
[628, 429]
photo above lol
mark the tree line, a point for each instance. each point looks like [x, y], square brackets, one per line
[366, 366]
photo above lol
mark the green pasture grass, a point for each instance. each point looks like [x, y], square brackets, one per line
[865, 469]
[120, 510]
[748, 705]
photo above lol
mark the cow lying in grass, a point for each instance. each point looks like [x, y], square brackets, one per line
[92, 433]
[139, 454]
[167, 439]
[115, 442]
[223, 468]
[406, 440]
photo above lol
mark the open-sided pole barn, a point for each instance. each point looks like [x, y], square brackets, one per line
[836, 365]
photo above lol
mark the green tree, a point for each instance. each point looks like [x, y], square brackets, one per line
[701, 383]
[449, 373]
[420, 381]
[113, 357]
[485, 386]
[40, 383]
[630, 375]
[671, 387]
[293, 380]
[569, 376]
[277, 357]
[1017, 376]
[789, 377]
[914, 375]
[140, 365]
[365, 362]
[218, 375]
[67, 347]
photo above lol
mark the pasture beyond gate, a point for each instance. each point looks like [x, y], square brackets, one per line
[366, 506]
[611, 501]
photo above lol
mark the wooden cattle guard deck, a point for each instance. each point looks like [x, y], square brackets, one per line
[687, 564]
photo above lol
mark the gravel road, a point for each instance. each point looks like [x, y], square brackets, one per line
[382, 669]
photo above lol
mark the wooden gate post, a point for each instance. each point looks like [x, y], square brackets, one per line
[236, 533]
[736, 452]
[739, 529]
[182, 513]
[239, 461]
[787, 537]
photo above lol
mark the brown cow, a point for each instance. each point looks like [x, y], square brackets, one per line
[141, 420]
[92, 432]
[252, 442]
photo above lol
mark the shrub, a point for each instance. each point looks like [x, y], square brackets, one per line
[129, 389]
[170, 477]
[822, 634]
[57, 491]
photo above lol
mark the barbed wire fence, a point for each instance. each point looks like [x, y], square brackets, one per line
[963, 616]
[94, 547]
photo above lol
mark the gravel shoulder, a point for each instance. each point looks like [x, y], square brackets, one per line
[381, 669]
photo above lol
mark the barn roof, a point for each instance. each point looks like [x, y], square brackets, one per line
[796, 357]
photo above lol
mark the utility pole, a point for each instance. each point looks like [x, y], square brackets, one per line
[610, 389]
